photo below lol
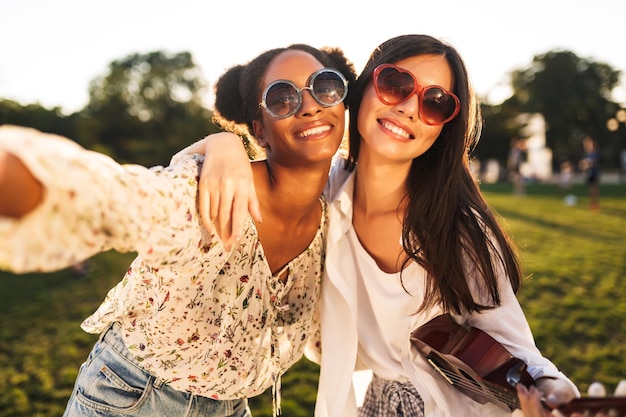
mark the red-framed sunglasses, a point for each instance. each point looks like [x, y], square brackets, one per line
[395, 85]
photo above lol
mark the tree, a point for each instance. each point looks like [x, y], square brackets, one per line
[499, 126]
[146, 108]
[574, 96]
[38, 117]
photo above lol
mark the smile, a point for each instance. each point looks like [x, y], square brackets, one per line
[314, 131]
[395, 129]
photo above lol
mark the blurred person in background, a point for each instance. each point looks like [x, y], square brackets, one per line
[590, 164]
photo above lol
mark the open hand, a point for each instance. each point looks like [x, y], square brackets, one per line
[226, 192]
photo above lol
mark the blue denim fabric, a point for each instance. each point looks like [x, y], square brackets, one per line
[111, 384]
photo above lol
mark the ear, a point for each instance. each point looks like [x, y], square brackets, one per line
[259, 134]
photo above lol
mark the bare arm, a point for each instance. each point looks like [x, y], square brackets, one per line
[20, 191]
[226, 190]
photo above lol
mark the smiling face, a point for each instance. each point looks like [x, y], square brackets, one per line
[314, 132]
[395, 132]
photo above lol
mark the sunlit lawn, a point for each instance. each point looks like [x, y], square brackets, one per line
[575, 259]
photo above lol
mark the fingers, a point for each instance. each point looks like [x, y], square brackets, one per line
[222, 212]
[239, 215]
[226, 187]
[253, 205]
[530, 402]
[224, 205]
[204, 203]
[235, 206]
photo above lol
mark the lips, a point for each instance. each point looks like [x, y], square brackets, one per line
[314, 132]
[395, 129]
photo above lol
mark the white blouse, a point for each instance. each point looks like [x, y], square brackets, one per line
[345, 314]
[385, 313]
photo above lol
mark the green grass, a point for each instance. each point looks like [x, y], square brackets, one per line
[575, 261]
[574, 298]
[41, 343]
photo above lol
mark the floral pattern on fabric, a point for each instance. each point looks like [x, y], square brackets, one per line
[208, 321]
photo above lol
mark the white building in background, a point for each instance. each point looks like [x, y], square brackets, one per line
[538, 164]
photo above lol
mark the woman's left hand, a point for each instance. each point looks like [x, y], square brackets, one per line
[531, 402]
[541, 401]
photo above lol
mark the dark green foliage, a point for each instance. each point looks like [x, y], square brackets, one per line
[299, 389]
[34, 115]
[146, 108]
[574, 96]
[574, 298]
[498, 129]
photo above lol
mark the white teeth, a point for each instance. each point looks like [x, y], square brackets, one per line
[395, 129]
[314, 131]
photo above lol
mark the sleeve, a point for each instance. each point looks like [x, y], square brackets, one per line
[92, 204]
[508, 325]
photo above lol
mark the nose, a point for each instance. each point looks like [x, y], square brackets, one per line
[309, 105]
[410, 107]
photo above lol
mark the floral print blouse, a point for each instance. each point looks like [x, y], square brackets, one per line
[208, 321]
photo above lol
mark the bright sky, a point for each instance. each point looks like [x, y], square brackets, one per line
[51, 49]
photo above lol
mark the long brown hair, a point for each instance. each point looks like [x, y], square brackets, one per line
[448, 227]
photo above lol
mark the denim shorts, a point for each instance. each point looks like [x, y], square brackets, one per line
[111, 384]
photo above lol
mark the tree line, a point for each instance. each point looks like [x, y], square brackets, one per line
[146, 107]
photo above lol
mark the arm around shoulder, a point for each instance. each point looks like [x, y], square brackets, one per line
[226, 191]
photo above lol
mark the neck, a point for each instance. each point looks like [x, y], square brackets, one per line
[289, 202]
[379, 206]
[380, 187]
[287, 191]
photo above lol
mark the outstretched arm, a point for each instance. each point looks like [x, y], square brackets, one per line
[226, 190]
[21, 192]
[61, 203]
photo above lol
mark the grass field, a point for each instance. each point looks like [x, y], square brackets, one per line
[575, 259]
[574, 298]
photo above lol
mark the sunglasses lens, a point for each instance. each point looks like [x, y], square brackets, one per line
[394, 86]
[282, 100]
[438, 106]
[329, 88]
